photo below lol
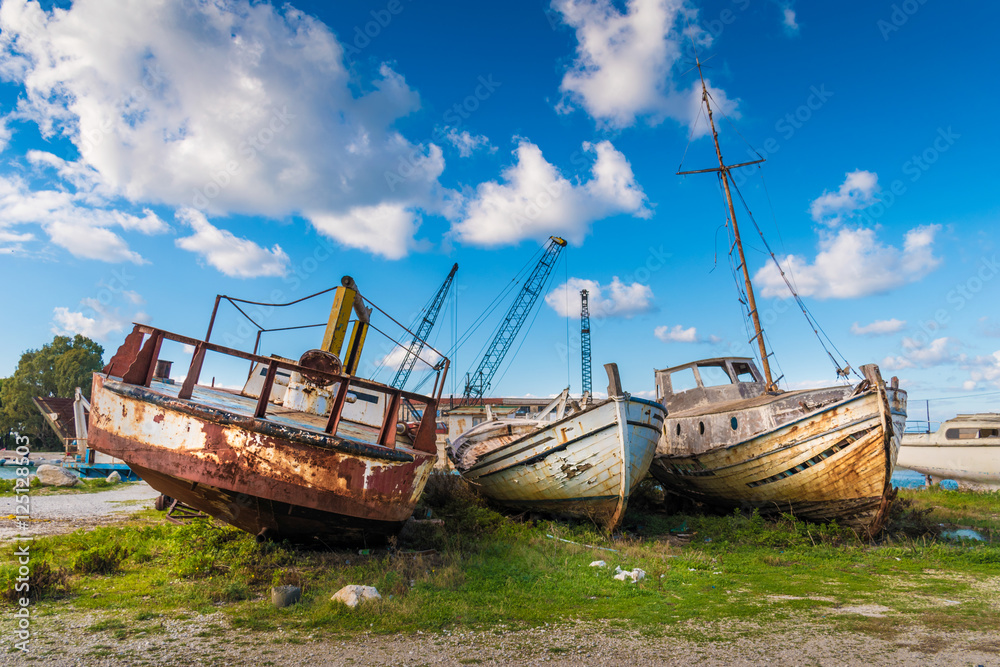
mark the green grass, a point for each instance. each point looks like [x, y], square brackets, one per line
[483, 570]
[86, 486]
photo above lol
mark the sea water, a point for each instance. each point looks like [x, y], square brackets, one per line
[910, 479]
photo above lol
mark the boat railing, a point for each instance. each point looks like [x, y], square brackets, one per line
[136, 359]
[919, 426]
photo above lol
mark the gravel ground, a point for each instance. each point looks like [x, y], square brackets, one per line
[208, 640]
[64, 513]
[61, 637]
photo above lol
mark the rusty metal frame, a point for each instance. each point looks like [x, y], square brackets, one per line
[141, 363]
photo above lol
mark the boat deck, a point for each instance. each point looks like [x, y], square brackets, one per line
[228, 400]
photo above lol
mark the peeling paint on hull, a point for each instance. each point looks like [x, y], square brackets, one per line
[832, 464]
[257, 474]
[585, 465]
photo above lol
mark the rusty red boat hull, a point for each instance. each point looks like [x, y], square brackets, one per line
[265, 477]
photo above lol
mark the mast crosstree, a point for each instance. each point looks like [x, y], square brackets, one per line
[723, 171]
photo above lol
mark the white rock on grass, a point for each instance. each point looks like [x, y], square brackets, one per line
[114, 477]
[624, 575]
[598, 563]
[352, 596]
[50, 475]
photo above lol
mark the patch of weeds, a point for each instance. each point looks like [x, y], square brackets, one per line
[107, 624]
[44, 582]
[232, 591]
[102, 559]
[906, 519]
[883, 628]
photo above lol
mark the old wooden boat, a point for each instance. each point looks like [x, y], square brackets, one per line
[68, 419]
[306, 451]
[965, 449]
[581, 461]
[819, 454]
[732, 438]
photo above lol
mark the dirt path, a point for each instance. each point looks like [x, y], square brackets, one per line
[209, 640]
[64, 513]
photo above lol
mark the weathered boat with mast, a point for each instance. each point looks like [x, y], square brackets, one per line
[732, 438]
[305, 451]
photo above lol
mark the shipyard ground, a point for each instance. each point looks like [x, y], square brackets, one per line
[66, 639]
[783, 595]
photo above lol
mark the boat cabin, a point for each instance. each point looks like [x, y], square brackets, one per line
[708, 381]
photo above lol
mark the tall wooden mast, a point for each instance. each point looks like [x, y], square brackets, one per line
[724, 175]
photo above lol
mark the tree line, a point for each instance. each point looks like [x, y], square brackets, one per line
[56, 369]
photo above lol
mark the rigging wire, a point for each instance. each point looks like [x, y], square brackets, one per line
[694, 125]
[953, 398]
[490, 309]
[524, 333]
[718, 108]
[810, 319]
[383, 362]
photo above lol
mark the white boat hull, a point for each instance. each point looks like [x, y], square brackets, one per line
[585, 465]
[972, 462]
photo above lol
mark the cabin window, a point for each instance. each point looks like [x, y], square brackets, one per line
[714, 375]
[734, 423]
[743, 372]
[701, 427]
[970, 433]
[682, 380]
[678, 429]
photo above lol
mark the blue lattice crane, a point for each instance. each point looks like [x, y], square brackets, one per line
[423, 331]
[477, 382]
[585, 341]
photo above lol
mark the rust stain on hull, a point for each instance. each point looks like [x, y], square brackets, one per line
[297, 484]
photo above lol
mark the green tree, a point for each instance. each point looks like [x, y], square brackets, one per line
[55, 370]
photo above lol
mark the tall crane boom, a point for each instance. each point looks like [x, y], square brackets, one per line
[423, 331]
[477, 382]
[585, 341]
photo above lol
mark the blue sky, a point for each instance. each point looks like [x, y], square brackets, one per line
[155, 156]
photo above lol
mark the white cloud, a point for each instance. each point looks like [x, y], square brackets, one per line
[624, 61]
[72, 223]
[789, 22]
[14, 242]
[614, 300]
[878, 328]
[5, 134]
[858, 191]
[233, 256]
[536, 201]
[394, 359]
[229, 107]
[467, 143]
[853, 263]
[94, 320]
[677, 334]
[385, 229]
[918, 353]
[984, 369]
